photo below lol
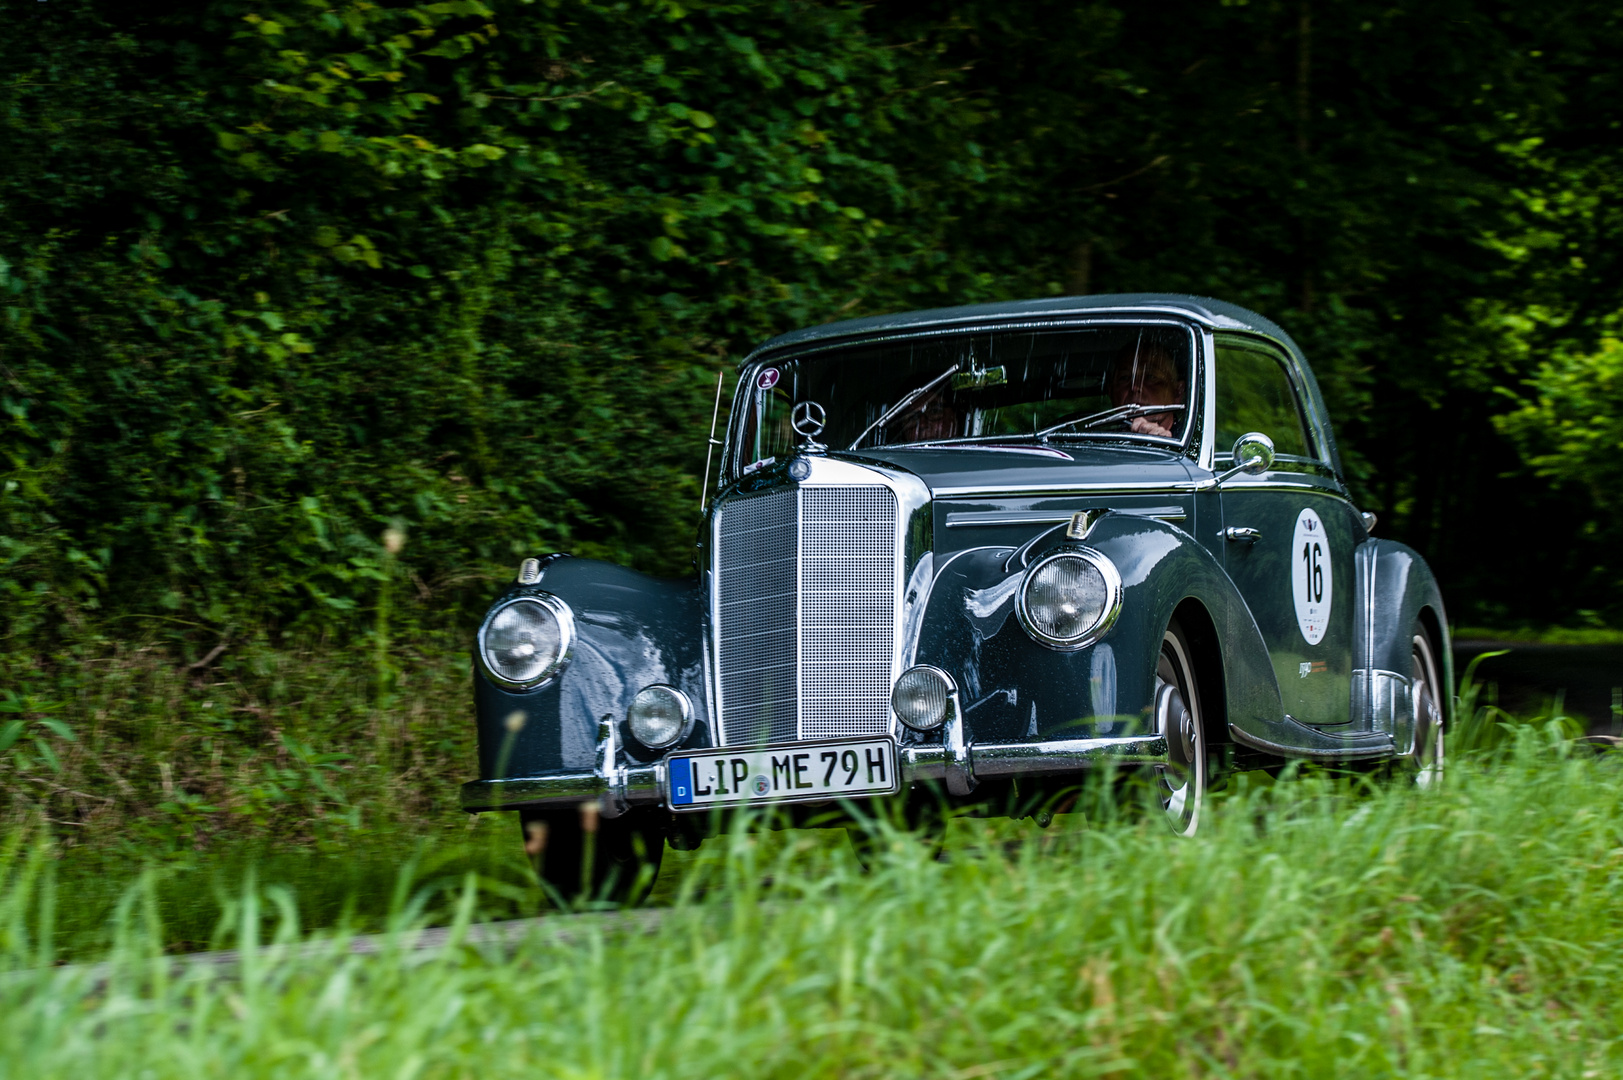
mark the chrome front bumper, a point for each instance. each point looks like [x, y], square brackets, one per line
[617, 787]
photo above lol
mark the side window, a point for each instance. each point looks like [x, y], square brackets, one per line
[1254, 393]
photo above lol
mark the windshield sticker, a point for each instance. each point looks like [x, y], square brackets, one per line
[767, 379]
[1311, 577]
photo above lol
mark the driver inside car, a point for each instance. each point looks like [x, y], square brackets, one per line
[1148, 373]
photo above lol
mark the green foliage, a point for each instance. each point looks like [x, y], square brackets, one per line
[1573, 430]
[277, 279]
[380, 266]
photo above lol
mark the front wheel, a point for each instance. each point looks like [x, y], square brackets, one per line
[582, 856]
[1180, 782]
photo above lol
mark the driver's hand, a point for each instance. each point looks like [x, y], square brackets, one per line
[1143, 426]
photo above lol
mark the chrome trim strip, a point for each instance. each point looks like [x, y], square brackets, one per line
[1048, 756]
[1208, 408]
[1188, 487]
[645, 784]
[1349, 753]
[962, 519]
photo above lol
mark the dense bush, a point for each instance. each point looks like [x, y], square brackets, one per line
[276, 278]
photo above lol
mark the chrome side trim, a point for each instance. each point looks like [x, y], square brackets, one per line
[1188, 487]
[963, 519]
[1030, 758]
[1151, 487]
[1367, 747]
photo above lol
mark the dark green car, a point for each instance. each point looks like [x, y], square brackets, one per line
[965, 555]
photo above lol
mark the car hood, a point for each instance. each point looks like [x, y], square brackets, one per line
[990, 470]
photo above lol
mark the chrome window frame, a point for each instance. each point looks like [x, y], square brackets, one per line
[733, 452]
[1316, 426]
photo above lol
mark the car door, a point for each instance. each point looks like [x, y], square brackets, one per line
[1289, 532]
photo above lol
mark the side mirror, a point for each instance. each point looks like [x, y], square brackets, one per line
[1253, 453]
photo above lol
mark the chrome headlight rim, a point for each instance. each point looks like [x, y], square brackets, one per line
[949, 688]
[683, 730]
[566, 640]
[1101, 626]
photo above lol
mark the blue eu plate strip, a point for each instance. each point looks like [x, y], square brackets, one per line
[681, 772]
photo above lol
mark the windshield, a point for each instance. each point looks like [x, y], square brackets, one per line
[963, 389]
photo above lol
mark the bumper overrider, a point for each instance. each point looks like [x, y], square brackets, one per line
[617, 786]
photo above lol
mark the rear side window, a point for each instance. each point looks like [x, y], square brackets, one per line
[1254, 393]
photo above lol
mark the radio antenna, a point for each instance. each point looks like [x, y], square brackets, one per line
[715, 414]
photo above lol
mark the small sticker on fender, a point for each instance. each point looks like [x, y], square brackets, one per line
[1311, 578]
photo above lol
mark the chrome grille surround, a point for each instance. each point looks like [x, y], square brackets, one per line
[806, 606]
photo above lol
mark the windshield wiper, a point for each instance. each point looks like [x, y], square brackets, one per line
[1120, 412]
[912, 395]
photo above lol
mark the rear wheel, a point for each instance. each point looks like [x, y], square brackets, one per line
[581, 855]
[1427, 757]
[1180, 782]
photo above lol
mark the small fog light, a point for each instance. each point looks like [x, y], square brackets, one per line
[659, 716]
[921, 697]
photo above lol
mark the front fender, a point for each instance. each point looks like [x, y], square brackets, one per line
[1013, 688]
[631, 630]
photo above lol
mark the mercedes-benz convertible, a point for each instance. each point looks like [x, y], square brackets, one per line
[963, 553]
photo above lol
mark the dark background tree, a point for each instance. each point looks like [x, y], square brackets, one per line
[277, 277]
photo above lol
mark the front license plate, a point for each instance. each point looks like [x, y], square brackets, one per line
[803, 771]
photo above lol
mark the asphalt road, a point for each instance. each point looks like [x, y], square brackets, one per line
[1587, 678]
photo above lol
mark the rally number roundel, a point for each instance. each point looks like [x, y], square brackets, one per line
[1310, 576]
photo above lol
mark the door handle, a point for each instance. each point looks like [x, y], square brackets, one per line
[1237, 533]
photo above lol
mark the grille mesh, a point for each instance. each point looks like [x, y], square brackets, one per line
[825, 558]
[755, 573]
[848, 618]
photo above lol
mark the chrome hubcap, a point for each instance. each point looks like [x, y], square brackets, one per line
[1181, 781]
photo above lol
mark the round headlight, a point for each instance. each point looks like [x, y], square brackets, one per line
[921, 697]
[526, 640]
[658, 716]
[1069, 599]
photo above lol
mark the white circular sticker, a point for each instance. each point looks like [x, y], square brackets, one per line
[1310, 576]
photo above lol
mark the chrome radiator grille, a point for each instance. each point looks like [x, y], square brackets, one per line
[806, 586]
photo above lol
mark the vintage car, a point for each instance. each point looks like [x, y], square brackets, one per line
[960, 553]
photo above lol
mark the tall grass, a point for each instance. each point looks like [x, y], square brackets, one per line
[1321, 927]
